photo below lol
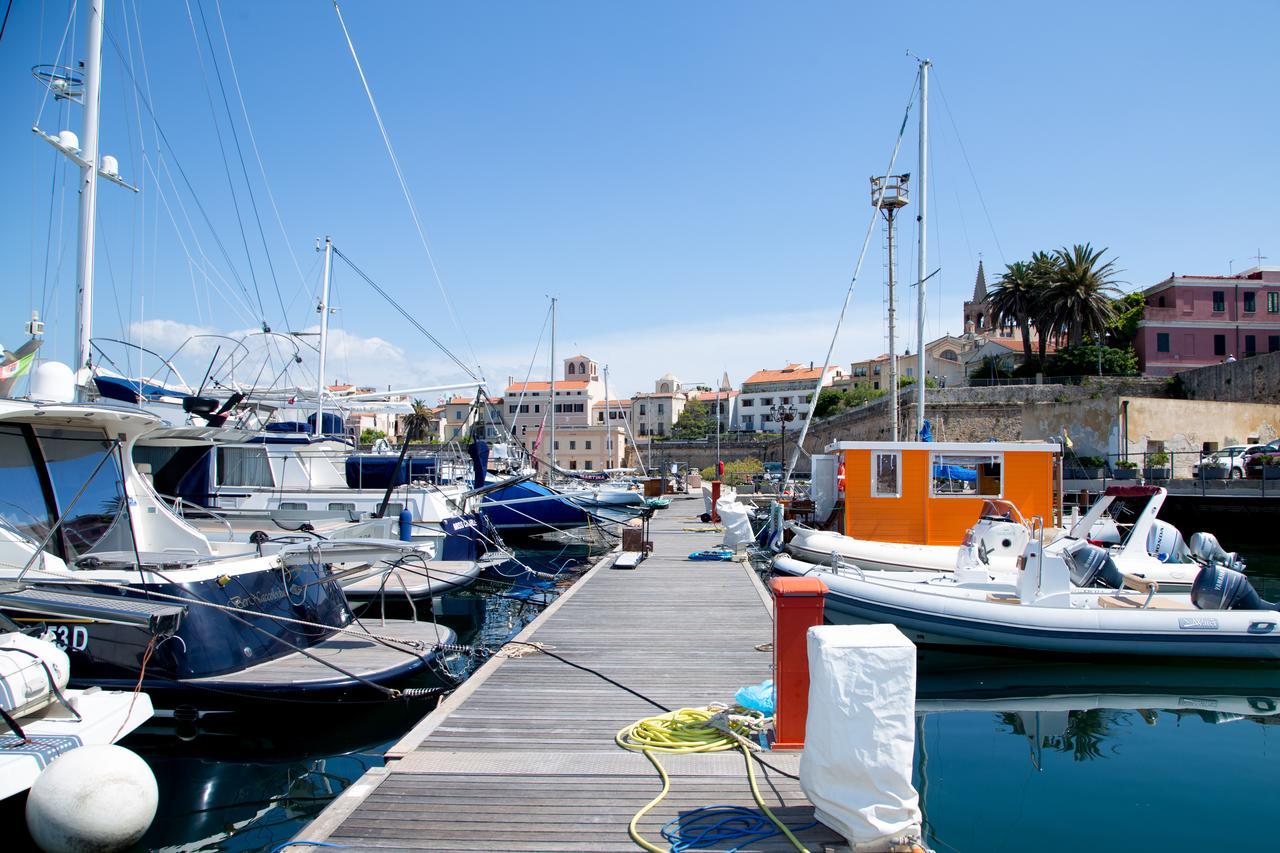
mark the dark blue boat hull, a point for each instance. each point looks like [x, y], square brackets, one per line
[535, 516]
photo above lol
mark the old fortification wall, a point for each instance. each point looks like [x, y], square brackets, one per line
[1250, 380]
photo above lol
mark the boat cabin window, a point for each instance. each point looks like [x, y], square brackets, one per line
[92, 505]
[244, 466]
[886, 475]
[967, 475]
[342, 506]
[22, 501]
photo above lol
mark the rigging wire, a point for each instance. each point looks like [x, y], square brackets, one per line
[244, 171]
[404, 188]
[421, 328]
[857, 269]
[5, 22]
[972, 176]
[226, 167]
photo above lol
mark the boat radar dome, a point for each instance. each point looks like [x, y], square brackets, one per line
[110, 166]
[68, 141]
[53, 382]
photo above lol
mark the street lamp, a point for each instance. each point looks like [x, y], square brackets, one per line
[782, 414]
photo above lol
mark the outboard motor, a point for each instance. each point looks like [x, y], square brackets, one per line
[1221, 588]
[1166, 544]
[1204, 548]
[1092, 566]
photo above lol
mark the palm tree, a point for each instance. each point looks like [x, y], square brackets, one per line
[1080, 299]
[1014, 299]
[1043, 269]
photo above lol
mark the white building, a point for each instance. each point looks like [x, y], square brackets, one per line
[791, 386]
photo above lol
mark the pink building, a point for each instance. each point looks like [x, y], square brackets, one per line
[1191, 321]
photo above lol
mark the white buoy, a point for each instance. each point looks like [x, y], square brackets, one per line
[95, 798]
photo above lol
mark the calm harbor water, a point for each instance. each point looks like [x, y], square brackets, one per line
[1012, 753]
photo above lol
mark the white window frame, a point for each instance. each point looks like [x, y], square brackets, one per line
[935, 455]
[875, 464]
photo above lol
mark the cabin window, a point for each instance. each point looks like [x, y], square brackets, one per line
[98, 518]
[292, 505]
[886, 475]
[22, 502]
[244, 466]
[342, 507]
[968, 476]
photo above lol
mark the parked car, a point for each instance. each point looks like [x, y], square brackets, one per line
[1253, 462]
[1231, 458]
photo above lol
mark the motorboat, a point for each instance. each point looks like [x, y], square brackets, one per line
[43, 718]
[1071, 598]
[81, 522]
[1123, 520]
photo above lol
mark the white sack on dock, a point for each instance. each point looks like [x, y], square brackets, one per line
[737, 526]
[860, 733]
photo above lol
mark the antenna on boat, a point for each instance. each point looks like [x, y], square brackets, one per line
[65, 83]
[922, 198]
[889, 195]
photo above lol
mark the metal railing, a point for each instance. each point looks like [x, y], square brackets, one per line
[1198, 468]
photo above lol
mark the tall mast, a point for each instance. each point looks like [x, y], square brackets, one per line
[922, 193]
[324, 333]
[88, 193]
[608, 431]
[893, 355]
[551, 473]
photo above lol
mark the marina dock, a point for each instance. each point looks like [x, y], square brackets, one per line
[522, 755]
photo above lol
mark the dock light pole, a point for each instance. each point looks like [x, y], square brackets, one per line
[783, 414]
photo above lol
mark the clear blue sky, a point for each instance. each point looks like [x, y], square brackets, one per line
[689, 178]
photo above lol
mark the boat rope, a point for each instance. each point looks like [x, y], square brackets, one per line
[787, 465]
[137, 688]
[694, 730]
[408, 197]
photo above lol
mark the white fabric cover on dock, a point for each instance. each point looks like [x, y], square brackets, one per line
[737, 526]
[860, 733]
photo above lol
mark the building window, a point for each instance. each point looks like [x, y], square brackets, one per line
[588, 465]
[556, 446]
[582, 368]
[511, 409]
[808, 398]
[1250, 345]
[660, 408]
[747, 402]
[642, 408]
[1219, 344]
[642, 430]
[1219, 300]
[886, 481]
[1162, 341]
[1250, 301]
[572, 368]
[1273, 303]
[600, 417]
[573, 464]
[573, 445]
[786, 400]
[766, 401]
[748, 422]
[587, 444]
[1273, 343]
[578, 407]
[970, 476]
[457, 416]
[1160, 301]
[537, 408]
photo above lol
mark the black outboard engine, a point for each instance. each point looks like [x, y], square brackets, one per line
[1220, 588]
[1092, 566]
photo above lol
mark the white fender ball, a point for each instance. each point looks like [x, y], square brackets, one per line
[91, 799]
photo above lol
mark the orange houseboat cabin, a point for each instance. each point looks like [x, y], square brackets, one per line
[932, 492]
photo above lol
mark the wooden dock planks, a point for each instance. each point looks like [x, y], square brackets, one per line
[522, 756]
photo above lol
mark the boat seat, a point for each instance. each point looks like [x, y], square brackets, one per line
[1135, 602]
[1003, 598]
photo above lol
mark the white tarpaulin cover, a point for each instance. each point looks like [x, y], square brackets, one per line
[860, 733]
[737, 526]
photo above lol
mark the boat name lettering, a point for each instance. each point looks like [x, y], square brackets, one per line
[258, 598]
[1193, 623]
[74, 638]
[1192, 702]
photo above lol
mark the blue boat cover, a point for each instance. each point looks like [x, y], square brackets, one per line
[132, 390]
[377, 471]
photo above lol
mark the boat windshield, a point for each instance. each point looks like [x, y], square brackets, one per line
[1001, 511]
[42, 471]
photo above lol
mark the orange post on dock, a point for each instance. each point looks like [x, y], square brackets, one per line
[715, 497]
[797, 606]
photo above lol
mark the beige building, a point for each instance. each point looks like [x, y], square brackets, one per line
[944, 362]
[655, 413]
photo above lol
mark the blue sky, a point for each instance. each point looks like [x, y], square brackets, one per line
[689, 179]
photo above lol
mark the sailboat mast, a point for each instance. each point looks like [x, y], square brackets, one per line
[893, 355]
[88, 194]
[608, 432]
[324, 334]
[551, 473]
[922, 193]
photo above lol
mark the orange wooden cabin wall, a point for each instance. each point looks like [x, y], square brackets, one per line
[917, 517]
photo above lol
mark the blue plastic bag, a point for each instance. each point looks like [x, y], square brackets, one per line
[757, 697]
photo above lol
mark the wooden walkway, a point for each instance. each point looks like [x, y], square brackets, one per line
[522, 757]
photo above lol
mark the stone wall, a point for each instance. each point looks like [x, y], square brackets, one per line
[1249, 380]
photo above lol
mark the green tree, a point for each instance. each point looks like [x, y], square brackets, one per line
[1081, 297]
[1044, 273]
[695, 421]
[369, 436]
[737, 472]
[830, 401]
[1129, 312]
[1083, 361]
[1015, 298]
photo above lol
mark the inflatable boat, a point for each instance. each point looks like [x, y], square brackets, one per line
[1073, 600]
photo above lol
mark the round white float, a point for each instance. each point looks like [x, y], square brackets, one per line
[95, 798]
